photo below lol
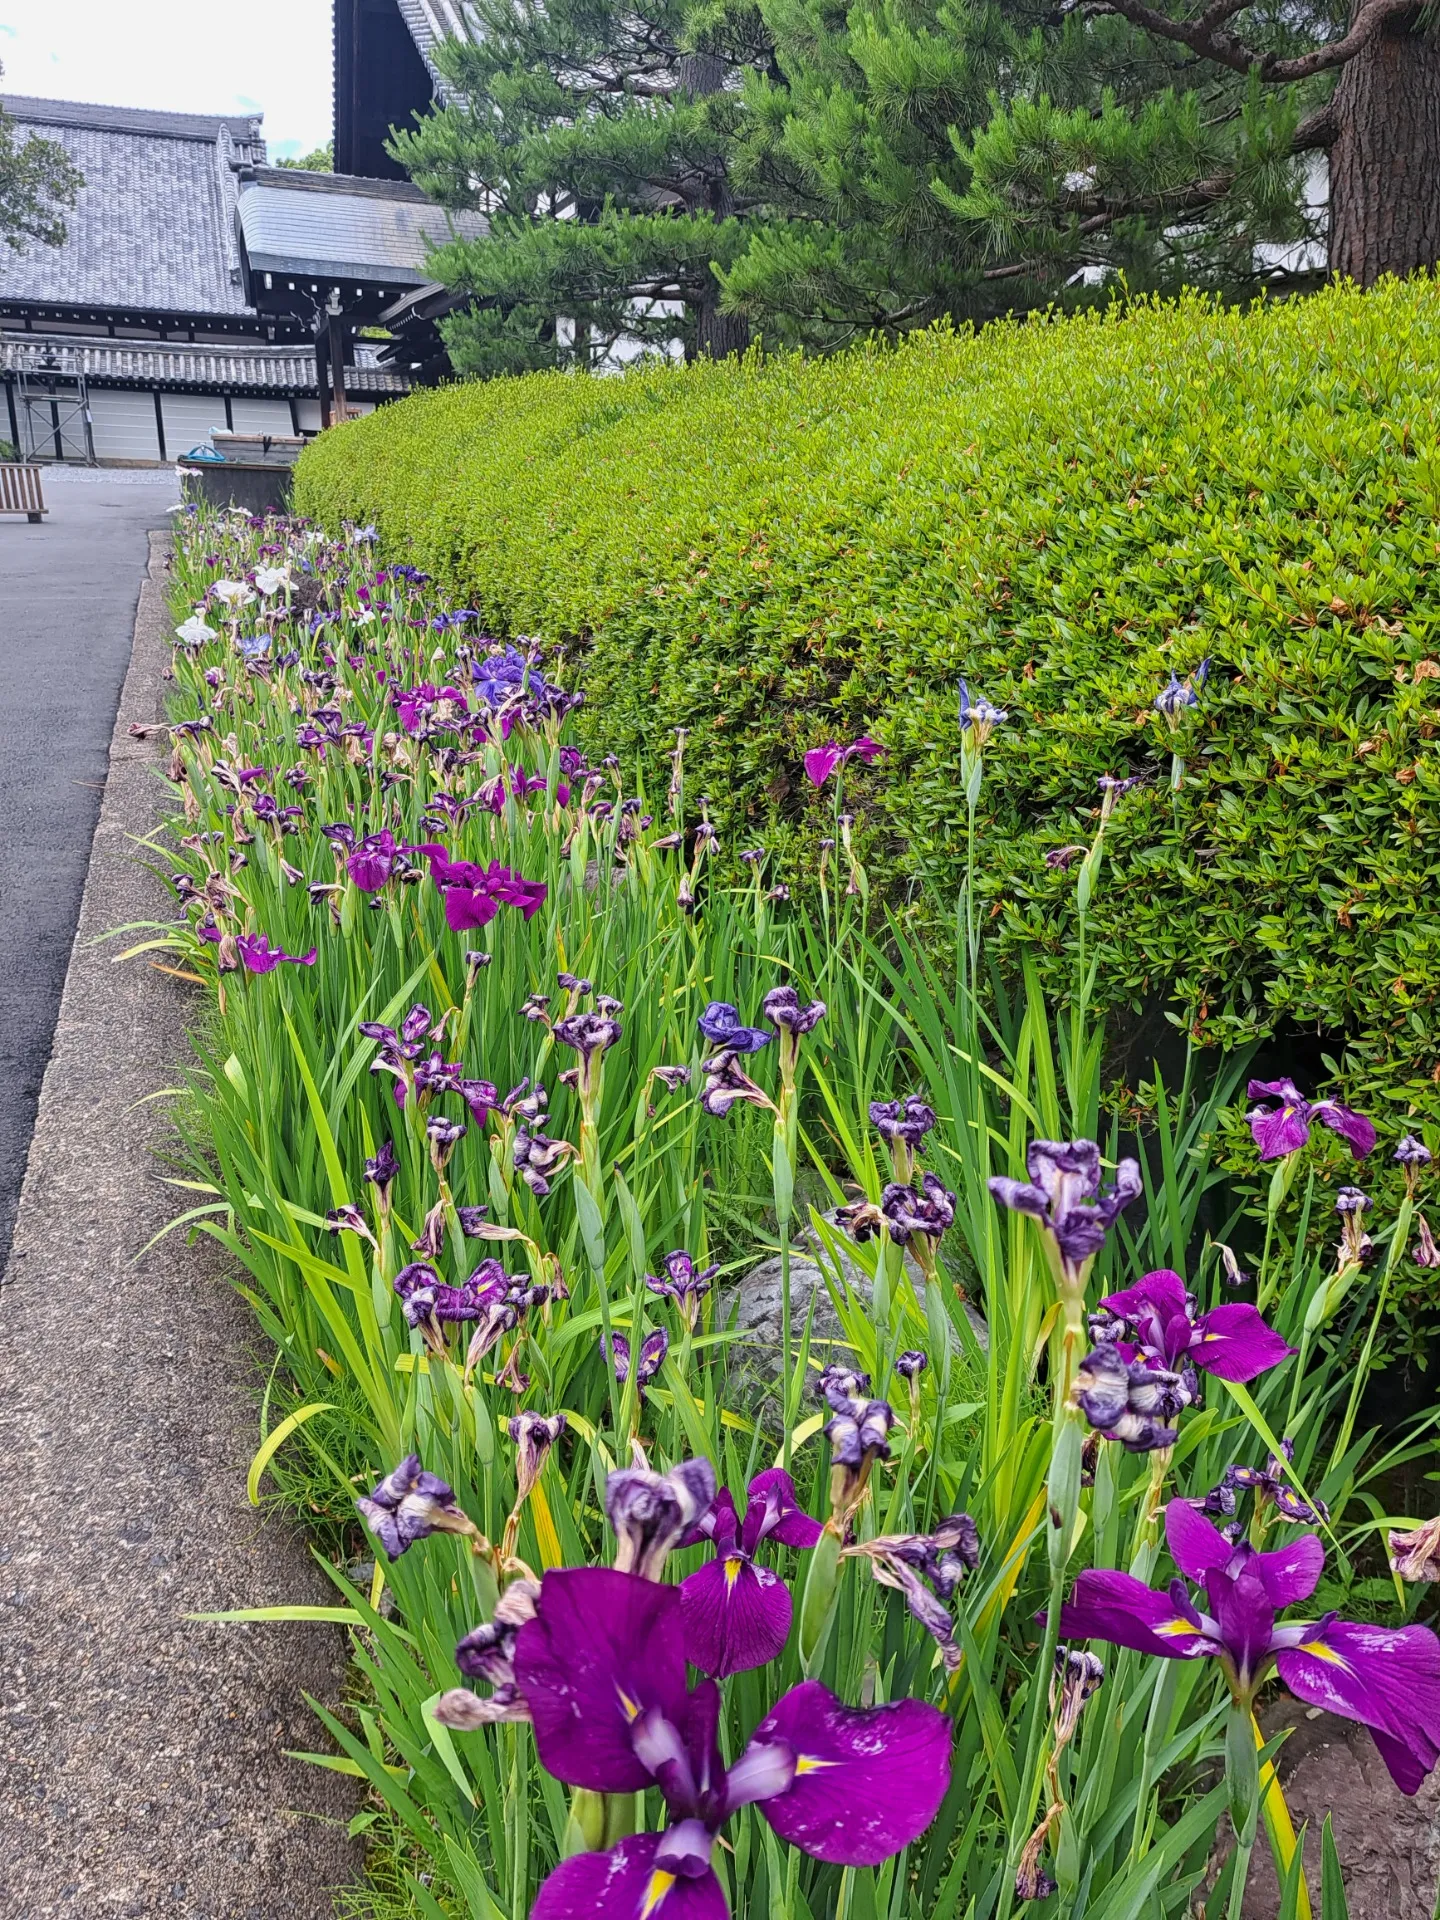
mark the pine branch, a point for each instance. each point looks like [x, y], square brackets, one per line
[1205, 36]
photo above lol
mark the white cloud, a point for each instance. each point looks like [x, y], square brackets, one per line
[191, 56]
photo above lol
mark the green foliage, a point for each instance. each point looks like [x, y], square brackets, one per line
[38, 187]
[597, 139]
[318, 160]
[964, 158]
[1064, 512]
[875, 166]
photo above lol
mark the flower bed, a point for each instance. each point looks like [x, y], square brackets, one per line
[502, 1084]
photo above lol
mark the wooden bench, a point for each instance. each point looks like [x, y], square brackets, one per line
[20, 490]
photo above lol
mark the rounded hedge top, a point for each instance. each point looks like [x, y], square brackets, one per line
[1067, 512]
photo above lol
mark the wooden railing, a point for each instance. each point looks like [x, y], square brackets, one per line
[20, 490]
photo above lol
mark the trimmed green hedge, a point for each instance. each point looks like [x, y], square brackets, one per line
[1063, 511]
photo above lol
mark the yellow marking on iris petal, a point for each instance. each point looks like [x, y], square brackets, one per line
[807, 1763]
[660, 1885]
[631, 1707]
[1327, 1654]
[732, 1571]
[1174, 1629]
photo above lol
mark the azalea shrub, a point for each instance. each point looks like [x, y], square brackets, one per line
[506, 1075]
[1074, 514]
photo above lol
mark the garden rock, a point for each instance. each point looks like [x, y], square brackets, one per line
[1389, 1844]
[755, 1301]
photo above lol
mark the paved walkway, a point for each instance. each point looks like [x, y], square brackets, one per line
[141, 1757]
[67, 610]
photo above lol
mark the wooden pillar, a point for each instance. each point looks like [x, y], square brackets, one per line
[336, 329]
[322, 374]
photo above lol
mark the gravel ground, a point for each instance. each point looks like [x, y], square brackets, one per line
[143, 1768]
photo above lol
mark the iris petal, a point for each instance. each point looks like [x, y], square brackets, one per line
[627, 1884]
[1196, 1546]
[605, 1647]
[1388, 1678]
[1123, 1610]
[736, 1615]
[1234, 1343]
[867, 1781]
[774, 1513]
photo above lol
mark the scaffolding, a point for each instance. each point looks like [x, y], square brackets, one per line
[52, 403]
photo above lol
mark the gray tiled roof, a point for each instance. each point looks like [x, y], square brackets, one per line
[237, 369]
[343, 228]
[153, 230]
[431, 21]
[244, 129]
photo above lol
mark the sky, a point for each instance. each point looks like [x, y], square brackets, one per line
[194, 56]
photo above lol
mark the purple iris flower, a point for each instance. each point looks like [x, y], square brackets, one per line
[474, 894]
[424, 1296]
[725, 1082]
[591, 1034]
[1177, 694]
[259, 956]
[535, 1157]
[926, 1208]
[821, 762]
[1133, 1401]
[1162, 1328]
[481, 1097]
[783, 1009]
[373, 861]
[979, 717]
[407, 1505]
[602, 1670]
[721, 1025]
[436, 1074]
[1272, 1482]
[683, 1283]
[381, 1169]
[1065, 1195]
[500, 677]
[1387, 1678]
[907, 1121]
[416, 1024]
[653, 1349]
[1281, 1126]
[736, 1614]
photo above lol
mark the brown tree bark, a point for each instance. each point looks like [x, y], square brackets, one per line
[1385, 155]
[717, 334]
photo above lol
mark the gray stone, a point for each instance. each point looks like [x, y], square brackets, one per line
[756, 1301]
[1389, 1844]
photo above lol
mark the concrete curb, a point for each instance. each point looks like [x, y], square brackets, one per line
[144, 1773]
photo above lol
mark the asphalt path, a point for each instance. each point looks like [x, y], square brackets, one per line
[143, 1755]
[68, 589]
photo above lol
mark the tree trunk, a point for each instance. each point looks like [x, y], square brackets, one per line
[1385, 157]
[717, 335]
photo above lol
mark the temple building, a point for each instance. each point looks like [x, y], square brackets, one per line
[199, 287]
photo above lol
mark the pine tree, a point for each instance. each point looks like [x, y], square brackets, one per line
[964, 157]
[820, 169]
[596, 138]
